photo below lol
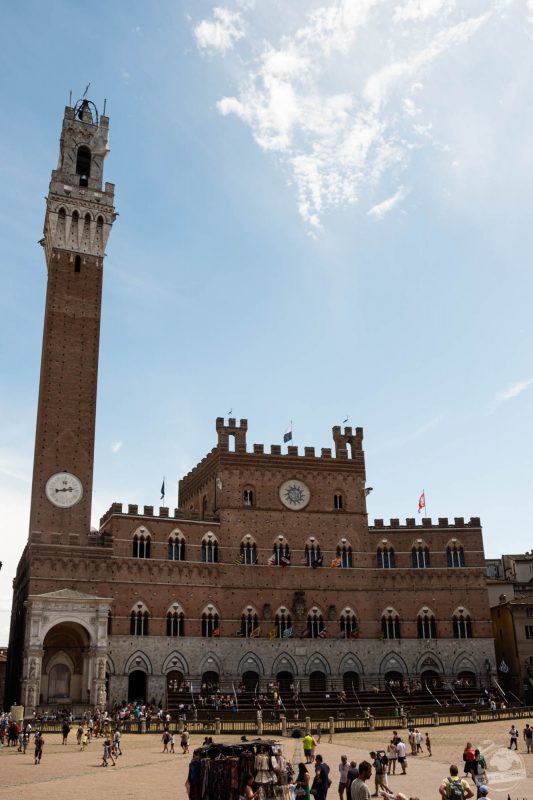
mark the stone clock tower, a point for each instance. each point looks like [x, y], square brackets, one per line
[79, 216]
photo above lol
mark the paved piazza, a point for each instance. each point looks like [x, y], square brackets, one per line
[144, 772]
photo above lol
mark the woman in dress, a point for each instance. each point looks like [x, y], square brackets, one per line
[302, 783]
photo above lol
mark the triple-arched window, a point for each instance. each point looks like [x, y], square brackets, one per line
[315, 624]
[349, 628]
[385, 557]
[283, 624]
[249, 623]
[281, 553]
[139, 619]
[248, 551]
[209, 549]
[455, 555]
[313, 556]
[344, 553]
[390, 624]
[426, 624]
[176, 547]
[141, 544]
[210, 622]
[175, 621]
[420, 556]
[462, 624]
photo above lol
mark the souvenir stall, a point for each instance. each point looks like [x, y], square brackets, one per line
[217, 771]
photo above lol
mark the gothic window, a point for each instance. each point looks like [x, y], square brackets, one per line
[175, 621]
[176, 548]
[385, 557]
[283, 623]
[83, 165]
[139, 619]
[390, 625]
[210, 624]
[344, 553]
[315, 624]
[141, 546]
[338, 501]
[313, 557]
[426, 625]
[281, 554]
[348, 625]
[248, 552]
[210, 550]
[248, 497]
[455, 555]
[77, 264]
[249, 624]
[462, 625]
[420, 556]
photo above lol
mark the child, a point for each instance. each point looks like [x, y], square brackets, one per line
[84, 741]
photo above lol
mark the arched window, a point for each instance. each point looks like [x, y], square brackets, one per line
[462, 624]
[455, 555]
[210, 623]
[141, 544]
[385, 557]
[248, 552]
[426, 624]
[249, 623]
[175, 621]
[139, 619]
[248, 497]
[349, 629]
[83, 165]
[420, 556]
[283, 624]
[338, 501]
[210, 549]
[344, 553]
[77, 264]
[390, 624]
[281, 554]
[176, 547]
[313, 556]
[315, 624]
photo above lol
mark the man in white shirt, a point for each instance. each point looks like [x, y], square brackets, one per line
[402, 760]
[343, 776]
[359, 790]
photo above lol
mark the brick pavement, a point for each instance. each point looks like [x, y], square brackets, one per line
[66, 773]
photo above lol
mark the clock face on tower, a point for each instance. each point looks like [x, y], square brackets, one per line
[64, 489]
[294, 494]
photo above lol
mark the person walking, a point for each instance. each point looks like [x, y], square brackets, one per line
[318, 733]
[513, 733]
[307, 743]
[418, 739]
[166, 741]
[117, 736]
[321, 782]
[107, 754]
[379, 773]
[392, 755]
[359, 790]
[479, 771]
[65, 730]
[402, 758]
[528, 737]
[428, 744]
[302, 788]
[39, 744]
[184, 741]
[343, 776]
[455, 788]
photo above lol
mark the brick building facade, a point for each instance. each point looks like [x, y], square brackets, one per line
[268, 568]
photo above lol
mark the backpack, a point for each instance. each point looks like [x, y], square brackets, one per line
[455, 790]
[384, 759]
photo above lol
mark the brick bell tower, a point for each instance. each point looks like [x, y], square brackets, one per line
[79, 216]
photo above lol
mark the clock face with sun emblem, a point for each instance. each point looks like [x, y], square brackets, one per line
[294, 494]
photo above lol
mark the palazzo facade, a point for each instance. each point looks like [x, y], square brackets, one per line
[267, 570]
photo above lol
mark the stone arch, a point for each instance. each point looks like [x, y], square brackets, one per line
[211, 663]
[143, 665]
[463, 663]
[284, 663]
[351, 663]
[317, 663]
[110, 665]
[429, 661]
[249, 662]
[70, 619]
[181, 663]
[61, 657]
[393, 662]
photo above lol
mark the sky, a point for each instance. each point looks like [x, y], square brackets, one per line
[324, 213]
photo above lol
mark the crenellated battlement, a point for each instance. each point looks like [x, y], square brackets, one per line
[348, 443]
[133, 510]
[425, 522]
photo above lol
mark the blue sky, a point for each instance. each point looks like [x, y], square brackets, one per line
[324, 212]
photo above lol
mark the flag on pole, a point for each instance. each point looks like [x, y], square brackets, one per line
[162, 490]
[421, 502]
[287, 436]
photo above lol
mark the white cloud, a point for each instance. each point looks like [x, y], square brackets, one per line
[330, 95]
[510, 393]
[378, 211]
[116, 446]
[220, 33]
